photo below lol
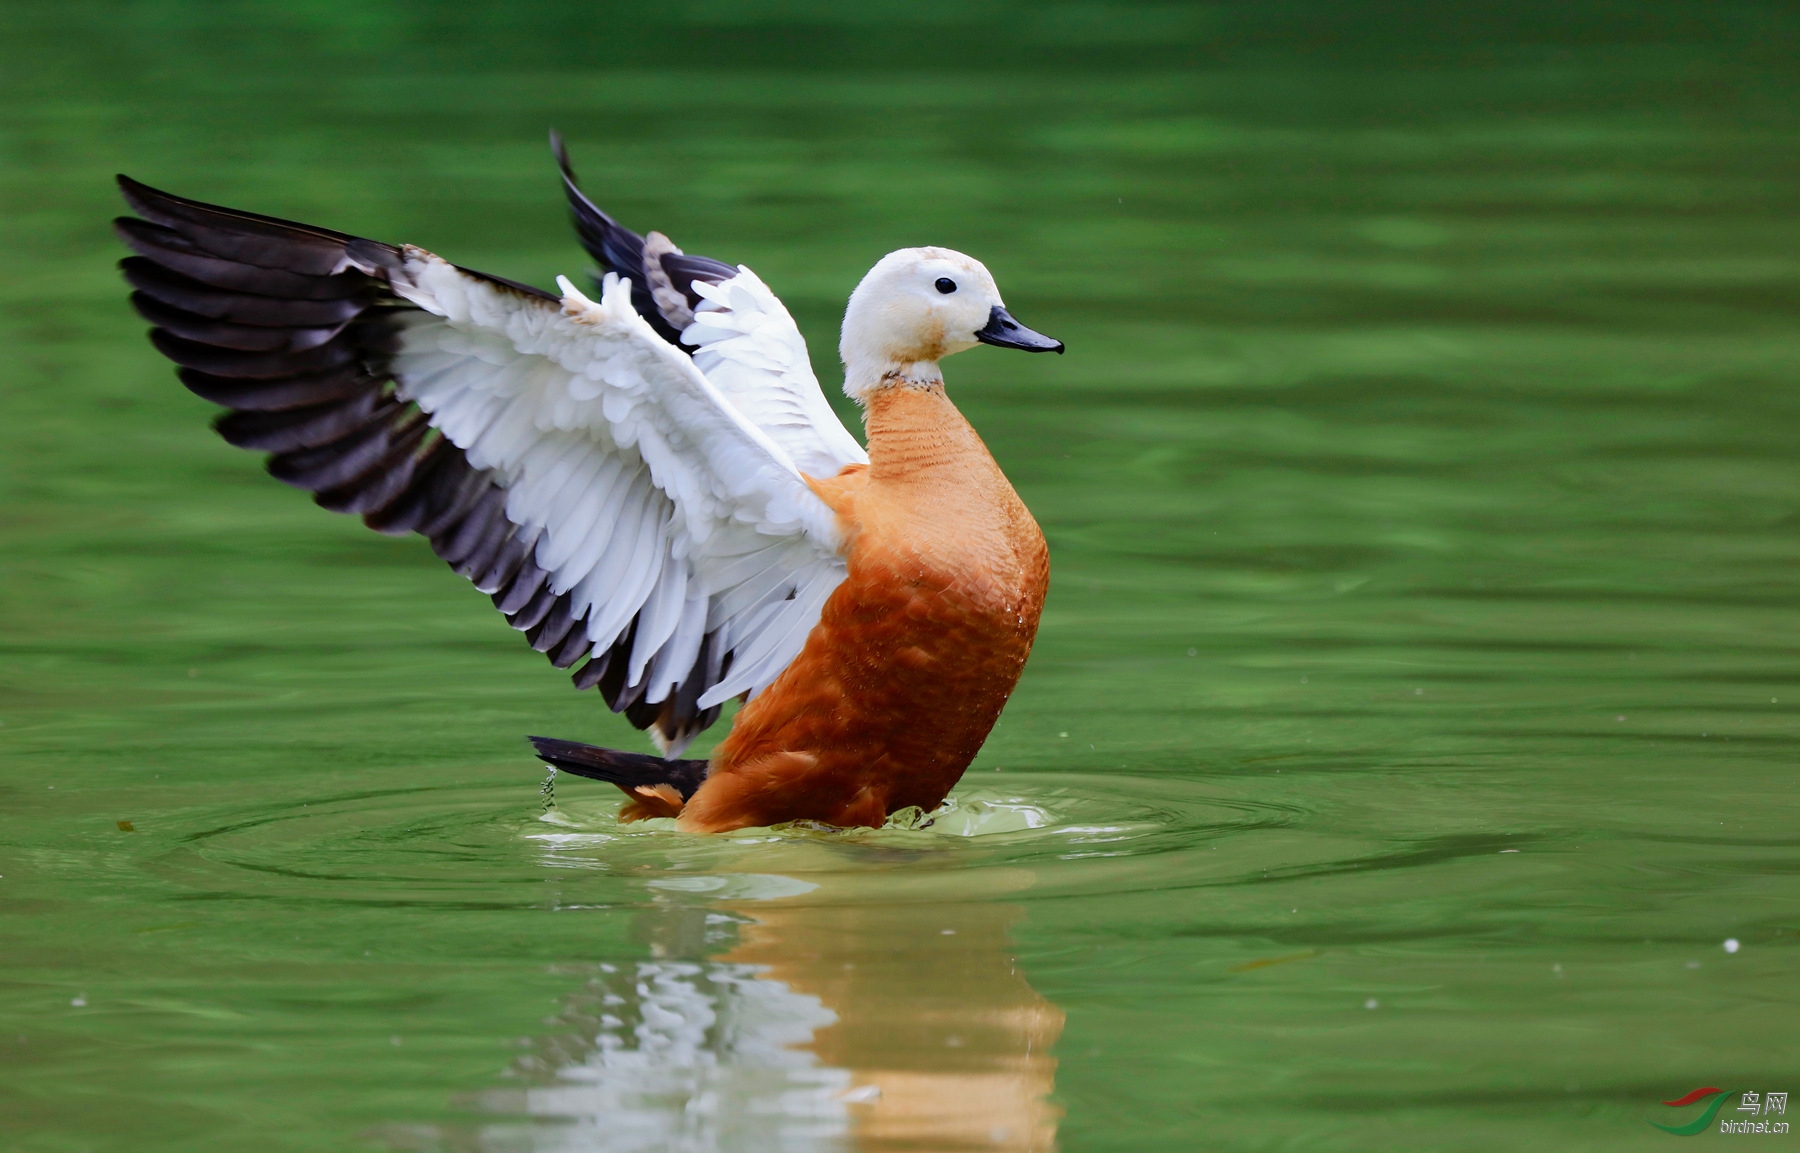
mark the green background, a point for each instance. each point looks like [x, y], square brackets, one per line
[1421, 485]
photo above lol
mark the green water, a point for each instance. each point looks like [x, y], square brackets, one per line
[1414, 715]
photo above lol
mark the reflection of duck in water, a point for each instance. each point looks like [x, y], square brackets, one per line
[949, 1046]
[823, 1028]
[653, 482]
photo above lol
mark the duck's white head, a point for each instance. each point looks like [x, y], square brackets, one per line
[917, 306]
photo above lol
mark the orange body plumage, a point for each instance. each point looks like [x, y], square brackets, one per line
[915, 653]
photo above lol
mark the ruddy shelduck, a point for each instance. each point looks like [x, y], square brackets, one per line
[651, 482]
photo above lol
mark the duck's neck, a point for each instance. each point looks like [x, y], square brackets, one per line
[918, 438]
[864, 378]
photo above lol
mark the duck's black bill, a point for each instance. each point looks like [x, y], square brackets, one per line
[1003, 331]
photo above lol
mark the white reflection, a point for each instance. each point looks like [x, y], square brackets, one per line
[696, 1058]
[737, 886]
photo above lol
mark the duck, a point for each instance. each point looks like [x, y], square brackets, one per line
[649, 484]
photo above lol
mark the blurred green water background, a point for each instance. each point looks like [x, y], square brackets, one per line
[1413, 717]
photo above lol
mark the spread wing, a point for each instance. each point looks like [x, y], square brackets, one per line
[620, 500]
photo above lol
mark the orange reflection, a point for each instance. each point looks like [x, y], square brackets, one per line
[947, 1045]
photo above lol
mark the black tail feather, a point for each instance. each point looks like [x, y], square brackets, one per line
[626, 770]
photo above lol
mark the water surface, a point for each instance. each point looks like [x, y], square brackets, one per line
[1414, 715]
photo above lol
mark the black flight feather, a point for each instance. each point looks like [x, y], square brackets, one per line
[293, 329]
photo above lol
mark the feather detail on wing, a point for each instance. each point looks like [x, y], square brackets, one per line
[617, 501]
[641, 483]
[749, 347]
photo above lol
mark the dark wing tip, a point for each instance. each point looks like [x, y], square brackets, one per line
[571, 185]
[132, 188]
[180, 213]
[140, 197]
[561, 152]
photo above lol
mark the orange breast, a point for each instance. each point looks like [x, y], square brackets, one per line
[915, 653]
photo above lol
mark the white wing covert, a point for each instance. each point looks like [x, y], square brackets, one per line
[747, 344]
[652, 498]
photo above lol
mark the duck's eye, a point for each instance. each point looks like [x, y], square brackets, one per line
[945, 285]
